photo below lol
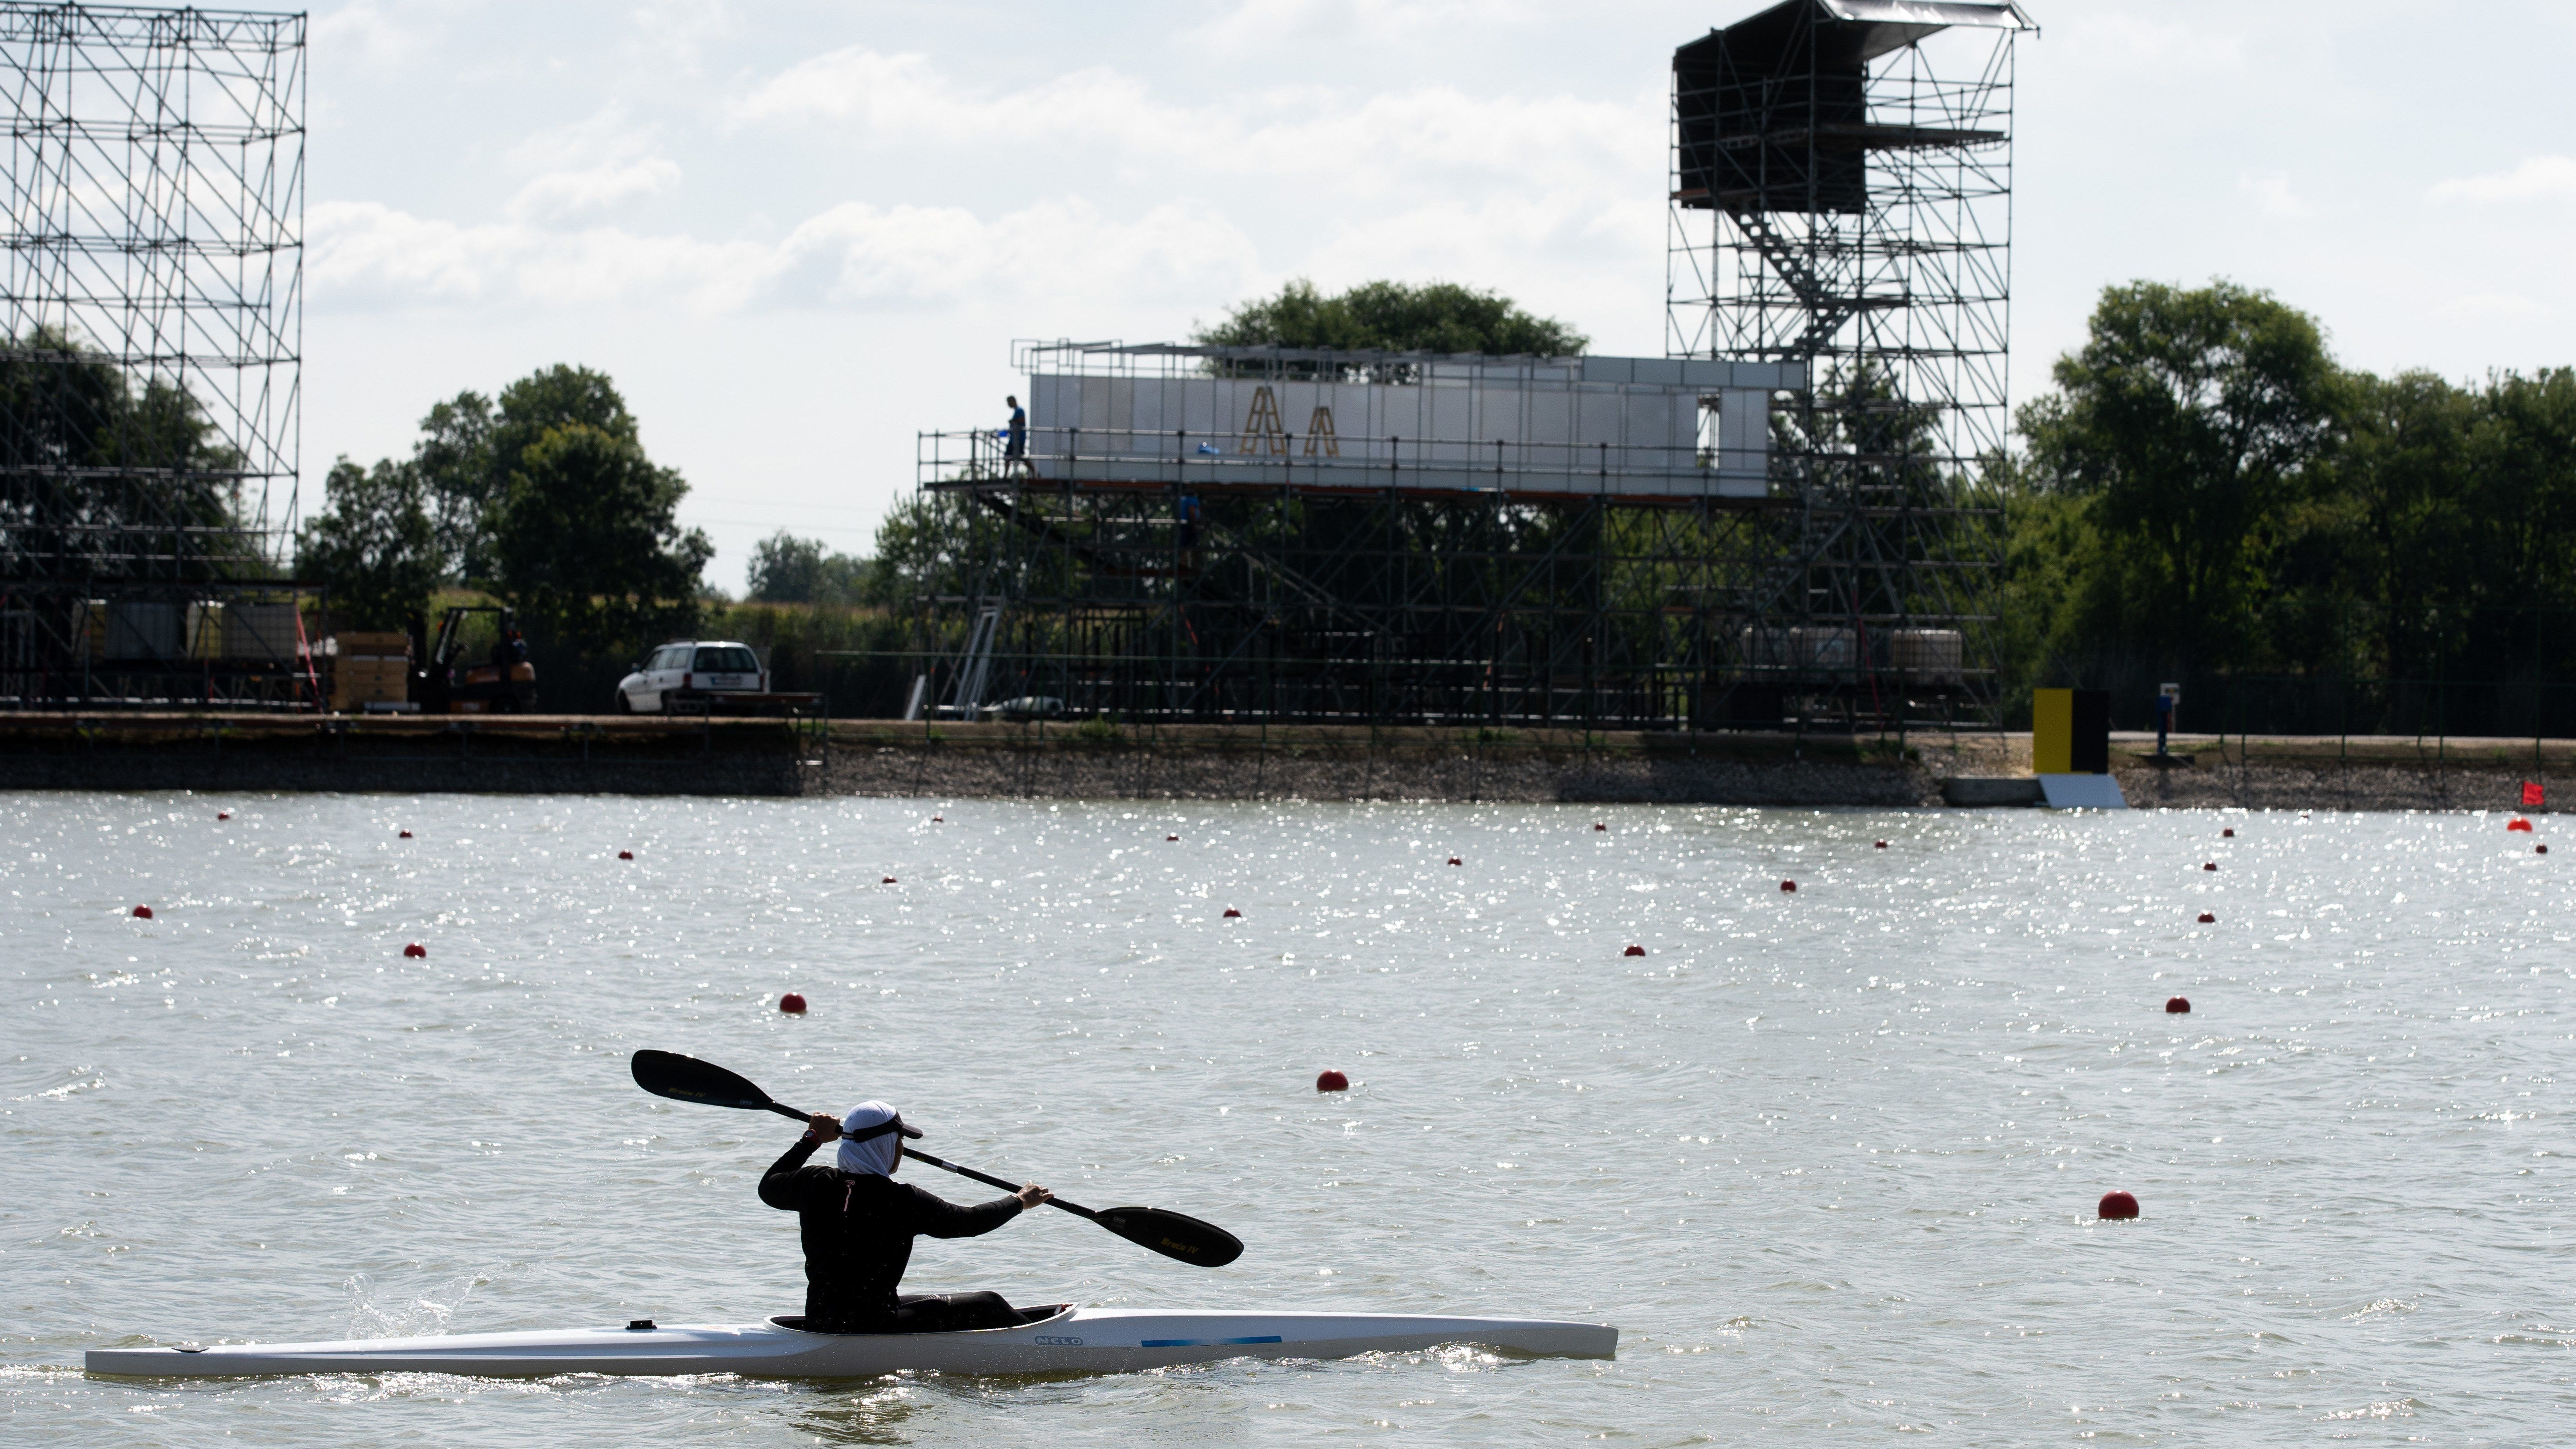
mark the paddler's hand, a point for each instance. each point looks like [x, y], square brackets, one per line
[822, 1127]
[1031, 1195]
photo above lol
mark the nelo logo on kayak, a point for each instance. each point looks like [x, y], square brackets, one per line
[1059, 1340]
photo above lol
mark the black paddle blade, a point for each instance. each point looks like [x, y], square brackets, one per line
[686, 1079]
[1174, 1235]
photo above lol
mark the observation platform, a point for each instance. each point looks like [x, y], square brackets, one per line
[1106, 416]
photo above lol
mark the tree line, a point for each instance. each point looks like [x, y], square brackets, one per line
[2203, 492]
[2206, 491]
[542, 496]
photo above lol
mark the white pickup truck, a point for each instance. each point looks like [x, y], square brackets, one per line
[687, 671]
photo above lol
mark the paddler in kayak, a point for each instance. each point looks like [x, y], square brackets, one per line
[858, 1225]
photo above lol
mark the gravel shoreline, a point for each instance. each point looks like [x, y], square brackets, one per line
[1817, 772]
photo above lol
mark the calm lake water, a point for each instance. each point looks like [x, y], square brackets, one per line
[1828, 1159]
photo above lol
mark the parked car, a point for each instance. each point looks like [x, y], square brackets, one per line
[690, 669]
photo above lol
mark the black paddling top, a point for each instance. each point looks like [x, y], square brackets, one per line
[858, 1231]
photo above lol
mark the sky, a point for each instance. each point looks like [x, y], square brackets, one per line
[797, 233]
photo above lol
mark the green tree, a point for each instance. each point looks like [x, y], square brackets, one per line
[98, 468]
[2523, 489]
[461, 483]
[786, 569]
[1393, 317]
[930, 543]
[374, 545]
[2189, 418]
[551, 398]
[2393, 531]
[470, 447]
[588, 543]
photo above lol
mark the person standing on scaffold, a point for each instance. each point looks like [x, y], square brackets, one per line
[1015, 441]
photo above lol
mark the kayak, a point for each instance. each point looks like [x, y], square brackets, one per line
[1056, 1338]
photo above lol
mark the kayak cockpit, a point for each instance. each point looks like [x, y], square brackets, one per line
[1026, 1318]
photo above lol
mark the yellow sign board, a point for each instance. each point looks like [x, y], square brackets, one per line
[2052, 731]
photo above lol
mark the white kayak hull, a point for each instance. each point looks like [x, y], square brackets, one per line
[1069, 1340]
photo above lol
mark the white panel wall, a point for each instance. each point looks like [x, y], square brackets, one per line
[1634, 420]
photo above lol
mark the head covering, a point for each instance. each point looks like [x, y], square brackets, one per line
[872, 1139]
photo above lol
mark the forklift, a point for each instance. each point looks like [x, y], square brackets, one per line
[443, 683]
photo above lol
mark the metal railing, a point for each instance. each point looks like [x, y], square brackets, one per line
[1181, 458]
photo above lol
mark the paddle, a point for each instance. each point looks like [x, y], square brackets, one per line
[1174, 1235]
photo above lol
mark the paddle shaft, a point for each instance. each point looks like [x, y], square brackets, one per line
[1174, 1235]
[986, 1178]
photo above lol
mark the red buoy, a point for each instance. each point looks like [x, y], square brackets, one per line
[1232, 914]
[2177, 1006]
[2207, 919]
[416, 951]
[792, 1004]
[223, 815]
[2228, 834]
[143, 913]
[1453, 860]
[1597, 825]
[1789, 886]
[2117, 1206]
[889, 880]
[1329, 1080]
[626, 855]
[403, 835]
[1882, 845]
[2517, 823]
[1171, 837]
[1634, 951]
[2209, 865]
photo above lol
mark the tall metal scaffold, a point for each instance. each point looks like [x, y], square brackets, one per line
[151, 321]
[1841, 197]
[1234, 534]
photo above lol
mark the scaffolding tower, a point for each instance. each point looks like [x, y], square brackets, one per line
[1236, 534]
[1841, 197]
[150, 366]
[1779, 524]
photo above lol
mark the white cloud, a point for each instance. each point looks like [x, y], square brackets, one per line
[2272, 194]
[363, 31]
[2538, 178]
[681, 30]
[2134, 44]
[2489, 307]
[570, 193]
[896, 99]
[852, 256]
[362, 254]
[1254, 27]
[1396, 142]
[1055, 249]
[1524, 193]
[607, 134]
[368, 248]
[588, 166]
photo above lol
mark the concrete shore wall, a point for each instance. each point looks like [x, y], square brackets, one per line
[2261, 774]
[1311, 764]
[570, 754]
[1731, 769]
[442, 755]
